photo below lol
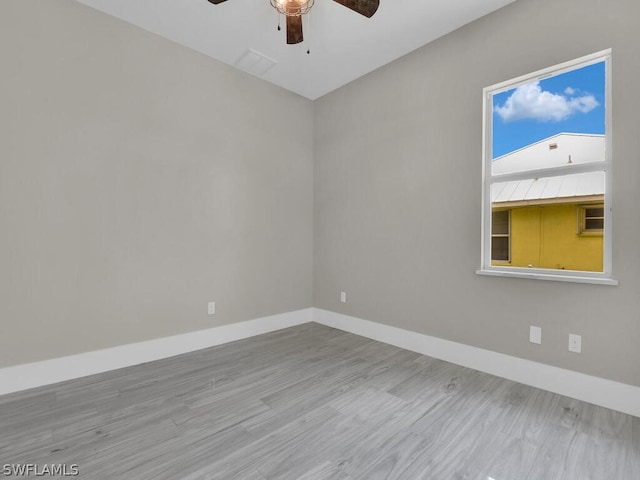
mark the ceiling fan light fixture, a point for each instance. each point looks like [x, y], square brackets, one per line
[292, 8]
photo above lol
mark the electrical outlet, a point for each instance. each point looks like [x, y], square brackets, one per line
[211, 308]
[575, 343]
[535, 334]
[343, 297]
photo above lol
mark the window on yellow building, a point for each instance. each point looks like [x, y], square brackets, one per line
[592, 219]
[547, 155]
[500, 236]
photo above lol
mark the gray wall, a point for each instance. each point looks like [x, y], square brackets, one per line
[138, 181]
[398, 187]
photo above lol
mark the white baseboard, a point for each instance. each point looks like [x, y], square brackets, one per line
[30, 375]
[599, 391]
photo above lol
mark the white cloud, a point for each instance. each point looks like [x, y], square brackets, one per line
[531, 102]
[569, 91]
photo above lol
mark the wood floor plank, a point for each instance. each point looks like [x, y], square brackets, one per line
[280, 447]
[313, 403]
[407, 459]
[325, 471]
[632, 464]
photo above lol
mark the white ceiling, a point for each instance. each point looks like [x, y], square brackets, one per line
[344, 45]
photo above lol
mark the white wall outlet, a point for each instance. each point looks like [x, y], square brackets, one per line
[575, 343]
[535, 334]
[343, 297]
[211, 308]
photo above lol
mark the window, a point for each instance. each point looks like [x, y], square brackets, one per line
[500, 236]
[592, 219]
[547, 156]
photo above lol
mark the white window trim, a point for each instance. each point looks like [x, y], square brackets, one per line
[605, 277]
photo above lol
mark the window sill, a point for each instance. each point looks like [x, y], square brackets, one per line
[549, 276]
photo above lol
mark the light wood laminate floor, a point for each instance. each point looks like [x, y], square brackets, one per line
[313, 403]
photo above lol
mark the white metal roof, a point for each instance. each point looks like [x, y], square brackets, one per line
[560, 150]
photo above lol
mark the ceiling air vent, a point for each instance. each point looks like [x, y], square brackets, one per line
[255, 63]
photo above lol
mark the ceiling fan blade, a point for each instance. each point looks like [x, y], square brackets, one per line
[216, 2]
[294, 29]
[363, 7]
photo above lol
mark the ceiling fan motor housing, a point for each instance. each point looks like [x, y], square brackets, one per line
[292, 8]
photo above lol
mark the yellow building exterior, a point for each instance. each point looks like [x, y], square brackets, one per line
[555, 236]
[549, 220]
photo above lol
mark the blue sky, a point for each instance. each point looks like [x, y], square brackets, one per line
[573, 102]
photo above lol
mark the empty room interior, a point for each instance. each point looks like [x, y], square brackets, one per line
[338, 239]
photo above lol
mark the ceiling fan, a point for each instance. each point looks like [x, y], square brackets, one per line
[294, 9]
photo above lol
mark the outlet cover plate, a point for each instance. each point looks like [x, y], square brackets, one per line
[575, 343]
[535, 334]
